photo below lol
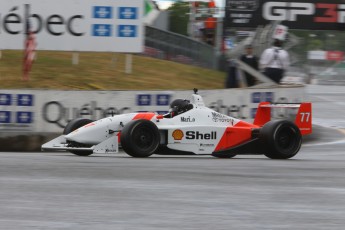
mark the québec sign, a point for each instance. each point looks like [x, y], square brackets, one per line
[315, 14]
[79, 25]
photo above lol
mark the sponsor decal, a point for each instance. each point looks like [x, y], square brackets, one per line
[315, 14]
[178, 134]
[187, 119]
[290, 11]
[110, 151]
[196, 135]
[218, 117]
[206, 145]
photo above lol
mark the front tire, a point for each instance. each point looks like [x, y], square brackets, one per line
[140, 138]
[280, 139]
[73, 125]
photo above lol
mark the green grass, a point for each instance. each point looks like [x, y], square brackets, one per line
[103, 71]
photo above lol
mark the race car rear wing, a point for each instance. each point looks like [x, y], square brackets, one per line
[303, 118]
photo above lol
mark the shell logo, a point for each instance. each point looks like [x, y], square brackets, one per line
[177, 134]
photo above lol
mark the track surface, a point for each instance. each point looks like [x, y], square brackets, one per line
[63, 191]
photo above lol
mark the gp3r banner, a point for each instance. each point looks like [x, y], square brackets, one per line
[78, 25]
[295, 14]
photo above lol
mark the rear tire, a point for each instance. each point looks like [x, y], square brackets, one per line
[280, 139]
[140, 138]
[76, 124]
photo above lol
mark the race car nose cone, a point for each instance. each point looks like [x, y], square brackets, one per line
[92, 133]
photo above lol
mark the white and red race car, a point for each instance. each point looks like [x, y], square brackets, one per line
[189, 128]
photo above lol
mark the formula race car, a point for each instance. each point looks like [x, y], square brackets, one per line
[188, 128]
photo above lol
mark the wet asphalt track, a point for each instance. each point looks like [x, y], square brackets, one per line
[63, 191]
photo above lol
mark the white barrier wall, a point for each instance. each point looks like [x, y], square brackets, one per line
[50, 110]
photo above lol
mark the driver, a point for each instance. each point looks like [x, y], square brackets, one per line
[179, 106]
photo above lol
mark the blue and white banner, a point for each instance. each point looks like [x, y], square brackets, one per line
[78, 25]
[17, 111]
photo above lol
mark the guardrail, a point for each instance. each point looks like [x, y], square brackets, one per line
[175, 47]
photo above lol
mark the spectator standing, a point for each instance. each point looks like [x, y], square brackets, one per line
[250, 59]
[275, 61]
[232, 75]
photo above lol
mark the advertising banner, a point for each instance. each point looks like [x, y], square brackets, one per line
[78, 25]
[326, 55]
[296, 14]
[49, 111]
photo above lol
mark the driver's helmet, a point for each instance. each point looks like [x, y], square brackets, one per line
[179, 106]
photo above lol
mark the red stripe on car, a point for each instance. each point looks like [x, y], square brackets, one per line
[145, 116]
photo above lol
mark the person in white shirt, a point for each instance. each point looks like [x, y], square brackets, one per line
[274, 61]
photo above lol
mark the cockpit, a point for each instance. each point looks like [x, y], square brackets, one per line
[178, 107]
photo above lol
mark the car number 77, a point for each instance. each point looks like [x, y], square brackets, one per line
[305, 117]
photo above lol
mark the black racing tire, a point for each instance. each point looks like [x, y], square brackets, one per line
[140, 138]
[76, 124]
[280, 139]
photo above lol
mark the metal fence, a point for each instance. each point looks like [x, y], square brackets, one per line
[171, 46]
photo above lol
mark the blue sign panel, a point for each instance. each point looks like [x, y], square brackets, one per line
[103, 12]
[163, 99]
[101, 30]
[128, 12]
[24, 117]
[128, 31]
[5, 117]
[269, 96]
[5, 99]
[25, 100]
[258, 97]
[143, 99]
